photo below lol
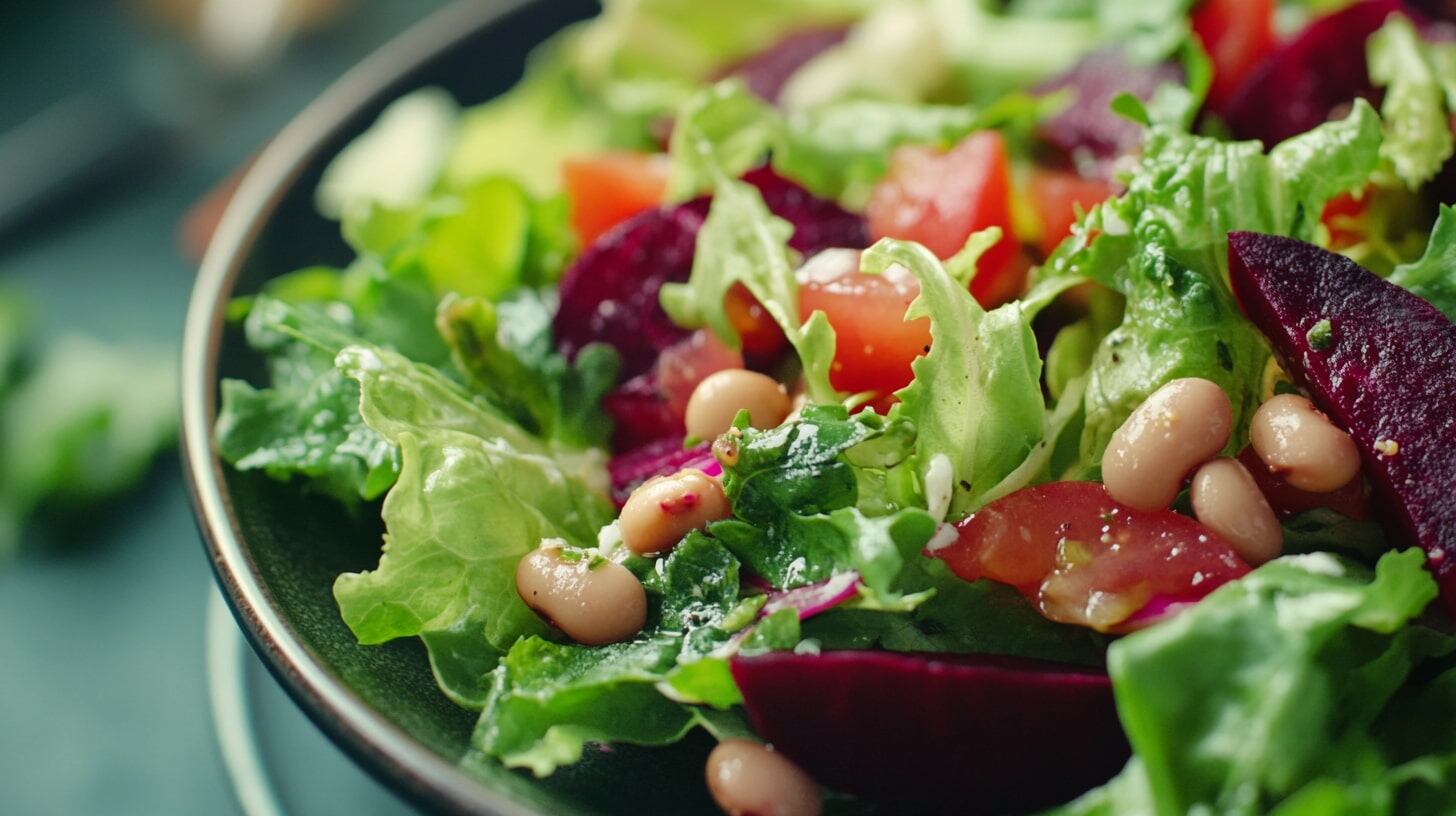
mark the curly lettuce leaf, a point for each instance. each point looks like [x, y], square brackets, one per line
[474, 494]
[1433, 276]
[1419, 79]
[743, 242]
[1277, 690]
[976, 400]
[722, 131]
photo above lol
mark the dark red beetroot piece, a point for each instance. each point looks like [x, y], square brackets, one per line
[1387, 376]
[937, 733]
[609, 294]
[1319, 70]
[767, 72]
[1088, 127]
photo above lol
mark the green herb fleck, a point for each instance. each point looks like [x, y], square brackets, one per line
[1321, 336]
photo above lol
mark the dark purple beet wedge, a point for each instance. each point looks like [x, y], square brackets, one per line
[1309, 77]
[1383, 368]
[660, 457]
[937, 733]
[1088, 128]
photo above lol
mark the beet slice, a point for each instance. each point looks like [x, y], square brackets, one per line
[609, 294]
[937, 733]
[1299, 85]
[767, 72]
[1386, 372]
[1087, 127]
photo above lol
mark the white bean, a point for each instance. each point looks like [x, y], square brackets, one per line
[593, 600]
[1178, 427]
[660, 512]
[747, 779]
[721, 395]
[1228, 501]
[1298, 442]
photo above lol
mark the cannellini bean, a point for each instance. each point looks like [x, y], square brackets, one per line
[1178, 427]
[721, 395]
[1298, 442]
[660, 512]
[593, 600]
[1228, 501]
[747, 779]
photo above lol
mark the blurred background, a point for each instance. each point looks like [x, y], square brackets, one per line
[120, 124]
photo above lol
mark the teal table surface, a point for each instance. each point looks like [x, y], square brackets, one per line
[103, 695]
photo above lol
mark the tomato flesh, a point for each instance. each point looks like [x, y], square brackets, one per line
[606, 189]
[1057, 196]
[1237, 34]
[939, 198]
[874, 345]
[1288, 500]
[1084, 559]
[1341, 216]
[760, 334]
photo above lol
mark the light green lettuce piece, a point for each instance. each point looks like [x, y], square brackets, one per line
[722, 131]
[976, 399]
[1433, 277]
[743, 242]
[397, 161]
[1281, 687]
[84, 425]
[474, 494]
[1420, 89]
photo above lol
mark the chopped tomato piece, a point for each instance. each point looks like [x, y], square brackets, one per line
[1057, 196]
[939, 198]
[874, 345]
[606, 189]
[1083, 558]
[1237, 34]
[761, 334]
[1288, 500]
[1341, 217]
[688, 362]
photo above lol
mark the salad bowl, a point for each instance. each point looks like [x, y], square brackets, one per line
[276, 553]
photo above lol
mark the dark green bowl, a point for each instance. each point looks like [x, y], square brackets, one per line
[276, 552]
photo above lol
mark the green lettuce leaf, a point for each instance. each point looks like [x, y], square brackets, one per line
[1433, 277]
[722, 131]
[546, 394]
[976, 400]
[83, 425]
[475, 493]
[397, 161]
[1419, 78]
[742, 242]
[1277, 690]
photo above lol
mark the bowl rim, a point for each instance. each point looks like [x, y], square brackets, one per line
[383, 748]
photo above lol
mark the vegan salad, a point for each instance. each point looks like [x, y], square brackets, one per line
[990, 406]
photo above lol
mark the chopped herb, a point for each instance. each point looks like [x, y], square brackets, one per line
[1321, 336]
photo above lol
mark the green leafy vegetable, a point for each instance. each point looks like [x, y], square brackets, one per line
[721, 132]
[1277, 690]
[1433, 277]
[475, 493]
[976, 400]
[82, 426]
[397, 161]
[1419, 78]
[547, 395]
[742, 242]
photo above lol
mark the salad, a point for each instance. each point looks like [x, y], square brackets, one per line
[950, 406]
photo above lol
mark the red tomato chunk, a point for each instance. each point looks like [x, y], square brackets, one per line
[1083, 558]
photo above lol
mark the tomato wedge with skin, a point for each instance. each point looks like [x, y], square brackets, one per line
[1057, 196]
[760, 335]
[1084, 559]
[1238, 35]
[939, 198]
[605, 189]
[874, 345]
